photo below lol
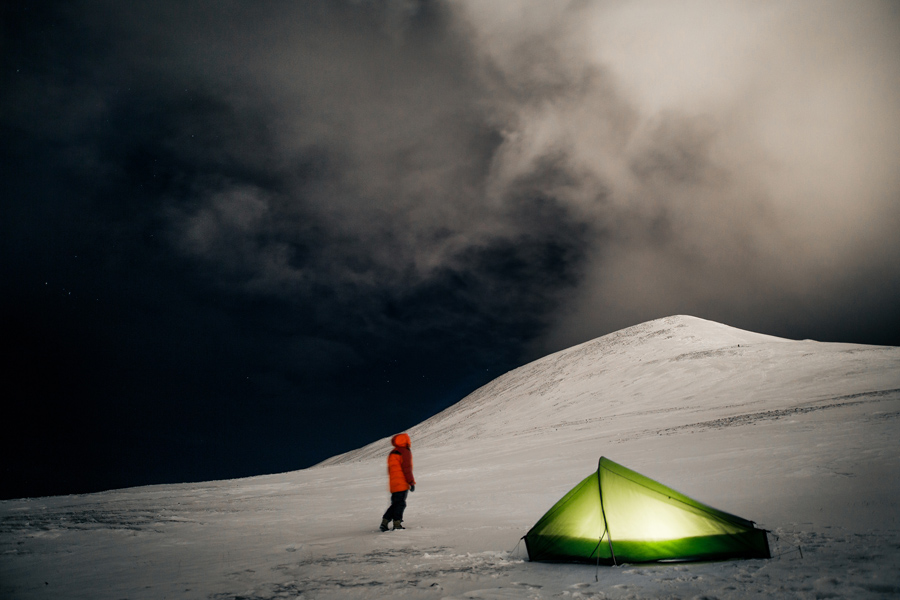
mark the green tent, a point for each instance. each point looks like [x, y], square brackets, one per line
[618, 516]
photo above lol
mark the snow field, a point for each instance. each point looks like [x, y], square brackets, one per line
[801, 437]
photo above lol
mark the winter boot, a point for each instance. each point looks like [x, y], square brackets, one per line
[384, 525]
[397, 525]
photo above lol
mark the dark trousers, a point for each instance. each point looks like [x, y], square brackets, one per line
[398, 504]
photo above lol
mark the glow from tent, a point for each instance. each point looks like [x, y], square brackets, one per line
[638, 514]
[645, 521]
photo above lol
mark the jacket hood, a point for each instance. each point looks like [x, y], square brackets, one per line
[401, 440]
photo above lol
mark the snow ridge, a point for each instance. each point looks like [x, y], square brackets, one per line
[676, 364]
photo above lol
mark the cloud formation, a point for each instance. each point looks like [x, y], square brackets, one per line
[746, 153]
[736, 161]
[258, 199]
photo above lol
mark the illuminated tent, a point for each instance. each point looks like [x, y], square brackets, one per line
[618, 516]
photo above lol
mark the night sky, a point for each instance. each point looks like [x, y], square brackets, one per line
[241, 237]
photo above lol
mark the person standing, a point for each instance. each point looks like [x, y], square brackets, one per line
[400, 480]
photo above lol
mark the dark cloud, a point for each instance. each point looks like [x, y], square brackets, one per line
[243, 240]
[741, 152]
[242, 237]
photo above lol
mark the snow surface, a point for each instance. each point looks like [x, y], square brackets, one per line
[799, 436]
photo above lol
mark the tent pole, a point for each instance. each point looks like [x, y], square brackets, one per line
[605, 522]
[600, 541]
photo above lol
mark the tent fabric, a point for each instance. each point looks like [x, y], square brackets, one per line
[616, 515]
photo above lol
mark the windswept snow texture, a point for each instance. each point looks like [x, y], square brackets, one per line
[800, 436]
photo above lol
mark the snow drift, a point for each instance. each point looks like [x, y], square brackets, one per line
[799, 436]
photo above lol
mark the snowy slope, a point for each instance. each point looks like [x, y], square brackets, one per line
[800, 436]
[670, 372]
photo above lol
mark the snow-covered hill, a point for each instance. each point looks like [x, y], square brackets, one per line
[802, 437]
[657, 377]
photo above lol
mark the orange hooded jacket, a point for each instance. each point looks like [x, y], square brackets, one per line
[400, 464]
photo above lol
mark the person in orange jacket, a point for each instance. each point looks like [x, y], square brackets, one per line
[401, 480]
